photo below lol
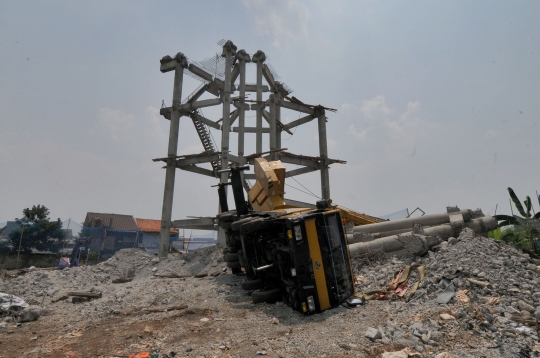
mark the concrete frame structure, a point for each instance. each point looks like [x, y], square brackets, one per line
[235, 68]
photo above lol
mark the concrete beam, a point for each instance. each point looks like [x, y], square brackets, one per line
[253, 88]
[195, 169]
[296, 107]
[200, 72]
[237, 159]
[268, 76]
[299, 121]
[234, 115]
[235, 73]
[299, 161]
[252, 130]
[197, 159]
[197, 224]
[199, 104]
[208, 122]
[299, 171]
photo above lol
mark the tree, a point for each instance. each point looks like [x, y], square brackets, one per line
[38, 231]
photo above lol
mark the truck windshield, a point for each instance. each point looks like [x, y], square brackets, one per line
[337, 265]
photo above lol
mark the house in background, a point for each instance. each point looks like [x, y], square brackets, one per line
[149, 238]
[153, 227]
[110, 232]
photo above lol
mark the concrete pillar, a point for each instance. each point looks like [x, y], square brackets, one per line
[242, 58]
[273, 125]
[229, 50]
[279, 97]
[168, 193]
[394, 225]
[259, 57]
[323, 152]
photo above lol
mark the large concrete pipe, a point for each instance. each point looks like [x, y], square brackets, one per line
[419, 244]
[426, 220]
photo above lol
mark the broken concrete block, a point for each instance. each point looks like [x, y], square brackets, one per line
[373, 333]
[524, 306]
[30, 313]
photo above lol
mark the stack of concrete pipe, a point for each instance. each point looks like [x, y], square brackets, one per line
[417, 235]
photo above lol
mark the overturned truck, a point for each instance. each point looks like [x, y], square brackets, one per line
[302, 255]
[296, 254]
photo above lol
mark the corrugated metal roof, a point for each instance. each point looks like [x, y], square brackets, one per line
[152, 226]
[112, 221]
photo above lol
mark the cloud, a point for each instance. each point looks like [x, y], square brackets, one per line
[119, 124]
[285, 21]
[357, 134]
[375, 108]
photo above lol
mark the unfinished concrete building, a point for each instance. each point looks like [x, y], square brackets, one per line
[225, 79]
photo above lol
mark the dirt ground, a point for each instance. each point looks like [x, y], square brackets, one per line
[203, 312]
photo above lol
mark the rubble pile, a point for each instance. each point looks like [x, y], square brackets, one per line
[496, 315]
[493, 303]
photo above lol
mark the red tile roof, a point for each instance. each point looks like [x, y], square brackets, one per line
[152, 226]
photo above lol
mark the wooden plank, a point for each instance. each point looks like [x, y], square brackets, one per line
[85, 294]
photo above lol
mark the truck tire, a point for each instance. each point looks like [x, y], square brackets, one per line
[251, 284]
[236, 225]
[231, 257]
[234, 265]
[268, 296]
[254, 225]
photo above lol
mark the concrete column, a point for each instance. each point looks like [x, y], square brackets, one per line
[259, 57]
[243, 57]
[323, 152]
[273, 125]
[168, 194]
[278, 117]
[229, 50]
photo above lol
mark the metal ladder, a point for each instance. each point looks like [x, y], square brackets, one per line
[204, 136]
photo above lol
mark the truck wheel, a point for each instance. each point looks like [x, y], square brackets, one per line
[254, 225]
[268, 296]
[234, 264]
[231, 257]
[236, 225]
[251, 284]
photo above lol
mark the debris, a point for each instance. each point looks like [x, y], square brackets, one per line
[77, 299]
[446, 316]
[443, 355]
[30, 313]
[61, 298]
[9, 301]
[171, 275]
[524, 330]
[493, 301]
[274, 320]
[154, 310]
[122, 280]
[373, 333]
[85, 294]
[462, 297]
[404, 353]
[261, 353]
[480, 283]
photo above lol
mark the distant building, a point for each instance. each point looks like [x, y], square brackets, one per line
[110, 232]
[153, 227]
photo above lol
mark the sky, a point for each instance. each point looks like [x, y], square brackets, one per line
[437, 101]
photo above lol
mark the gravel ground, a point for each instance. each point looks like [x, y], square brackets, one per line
[221, 321]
